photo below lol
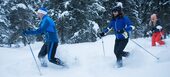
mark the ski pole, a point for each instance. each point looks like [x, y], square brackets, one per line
[33, 56]
[102, 43]
[103, 47]
[145, 49]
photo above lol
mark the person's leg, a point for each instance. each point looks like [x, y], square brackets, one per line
[161, 42]
[42, 54]
[51, 54]
[43, 51]
[118, 54]
[123, 45]
[153, 39]
[116, 50]
[158, 39]
[119, 47]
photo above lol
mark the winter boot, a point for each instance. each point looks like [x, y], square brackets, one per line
[119, 64]
[43, 62]
[59, 62]
[125, 54]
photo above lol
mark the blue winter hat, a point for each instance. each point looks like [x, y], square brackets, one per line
[42, 10]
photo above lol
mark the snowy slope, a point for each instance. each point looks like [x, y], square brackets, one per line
[88, 60]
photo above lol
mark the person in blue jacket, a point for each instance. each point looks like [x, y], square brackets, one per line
[121, 25]
[48, 28]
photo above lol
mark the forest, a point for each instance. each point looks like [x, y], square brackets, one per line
[76, 20]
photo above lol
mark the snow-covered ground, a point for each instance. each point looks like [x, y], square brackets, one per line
[88, 60]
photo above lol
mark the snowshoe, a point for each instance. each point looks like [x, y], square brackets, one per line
[126, 54]
[43, 62]
[119, 64]
[59, 62]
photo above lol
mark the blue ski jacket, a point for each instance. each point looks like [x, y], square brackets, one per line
[47, 27]
[119, 25]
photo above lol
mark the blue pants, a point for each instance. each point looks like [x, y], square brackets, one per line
[50, 49]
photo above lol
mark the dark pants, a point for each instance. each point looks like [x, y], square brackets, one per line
[50, 49]
[119, 47]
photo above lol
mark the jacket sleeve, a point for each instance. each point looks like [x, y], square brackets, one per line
[157, 28]
[41, 29]
[108, 28]
[128, 23]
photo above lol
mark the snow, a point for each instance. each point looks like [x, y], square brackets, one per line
[20, 5]
[3, 35]
[99, 7]
[95, 25]
[65, 13]
[67, 3]
[31, 8]
[105, 0]
[87, 60]
[14, 8]
[75, 34]
[166, 2]
[5, 2]
[1, 20]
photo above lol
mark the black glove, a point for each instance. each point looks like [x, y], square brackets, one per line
[100, 35]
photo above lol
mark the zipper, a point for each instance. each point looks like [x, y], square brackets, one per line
[116, 24]
[116, 27]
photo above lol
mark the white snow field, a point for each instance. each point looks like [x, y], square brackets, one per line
[88, 60]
